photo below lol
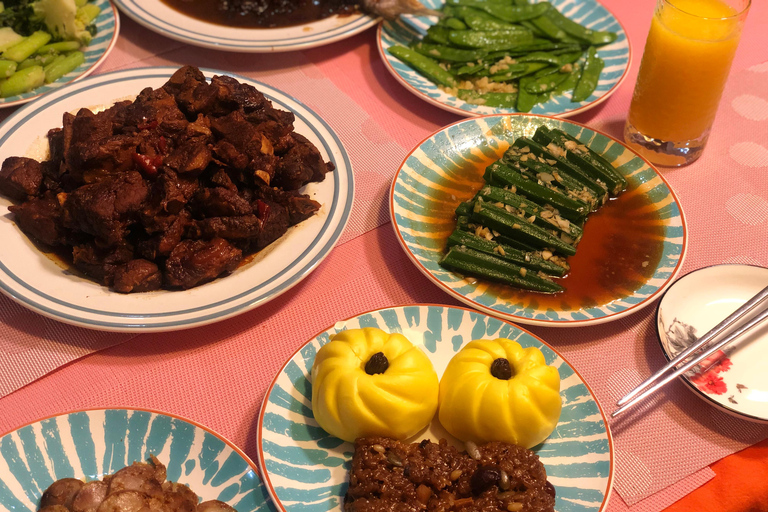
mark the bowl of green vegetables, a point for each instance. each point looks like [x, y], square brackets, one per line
[483, 57]
[538, 220]
[45, 44]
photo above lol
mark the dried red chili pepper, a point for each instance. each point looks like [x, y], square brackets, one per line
[263, 209]
[146, 164]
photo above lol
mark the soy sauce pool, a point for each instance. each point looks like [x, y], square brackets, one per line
[261, 13]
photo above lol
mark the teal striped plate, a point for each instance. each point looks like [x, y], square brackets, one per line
[108, 27]
[305, 469]
[590, 13]
[93, 443]
[446, 168]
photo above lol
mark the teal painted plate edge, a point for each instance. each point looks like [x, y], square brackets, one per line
[108, 24]
[90, 443]
[305, 469]
[617, 57]
[474, 131]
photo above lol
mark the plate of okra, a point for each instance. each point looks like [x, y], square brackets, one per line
[538, 220]
[41, 62]
[555, 57]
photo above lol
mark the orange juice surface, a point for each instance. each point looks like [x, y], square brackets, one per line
[684, 68]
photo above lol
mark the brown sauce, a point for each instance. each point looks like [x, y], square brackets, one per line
[261, 13]
[621, 247]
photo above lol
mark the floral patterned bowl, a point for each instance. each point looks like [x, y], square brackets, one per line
[734, 378]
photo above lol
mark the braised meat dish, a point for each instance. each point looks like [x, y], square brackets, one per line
[168, 191]
[139, 486]
[390, 476]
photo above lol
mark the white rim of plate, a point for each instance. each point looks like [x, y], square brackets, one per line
[202, 311]
[524, 320]
[259, 436]
[101, 47]
[478, 110]
[710, 399]
[158, 17]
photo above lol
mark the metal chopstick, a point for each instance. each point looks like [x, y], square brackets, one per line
[693, 362]
[704, 340]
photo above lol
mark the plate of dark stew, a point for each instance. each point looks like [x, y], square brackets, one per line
[251, 27]
[538, 220]
[158, 199]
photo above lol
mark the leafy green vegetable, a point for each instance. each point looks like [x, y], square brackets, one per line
[63, 19]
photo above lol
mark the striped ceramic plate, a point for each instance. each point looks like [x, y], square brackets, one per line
[446, 169]
[305, 469]
[39, 283]
[161, 18]
[108, 27]
[590, 13]
[90, 444]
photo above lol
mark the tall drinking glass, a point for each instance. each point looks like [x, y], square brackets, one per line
[682, 75]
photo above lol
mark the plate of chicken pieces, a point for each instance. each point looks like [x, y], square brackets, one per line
[159, 199]
[124, 460]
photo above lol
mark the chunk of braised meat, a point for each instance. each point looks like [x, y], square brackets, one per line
[194, 262]
[153, 110]
[169, 195]
[300, 207]
[90, 496]
[221, 178]
[105, 209]
[42, 219]
[61, 492]
[100, 263]
[20, 178]
[275, 222]
[192, 92]
[233, 228]
[214, 506]
[300, 165]
[192, 152]
[137, 276]
[170, 230]
[124, 501]
[220, 202]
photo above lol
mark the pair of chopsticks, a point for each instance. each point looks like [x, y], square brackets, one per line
[659, 379]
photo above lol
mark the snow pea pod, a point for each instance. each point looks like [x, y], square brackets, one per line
[492, 40]
[549, 29]
[578, 31]
[481, 20]
[437, 34]
[424, 65]
[489, 99]
[506, 12]
[540, 57]
[545, 83]
[449, 53]
[589, 77]
[452, 23]
[570, 82]
[514, 73]
[525, 99]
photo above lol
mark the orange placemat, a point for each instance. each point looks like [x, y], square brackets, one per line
[740, 485]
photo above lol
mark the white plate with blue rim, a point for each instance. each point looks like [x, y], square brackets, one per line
[107, 29]
[305, 468]
[90, 444]
[163, 19]
[631, 251]
[590, 13]
[40, 283]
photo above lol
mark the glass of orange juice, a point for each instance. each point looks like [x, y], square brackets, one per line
[682, 75]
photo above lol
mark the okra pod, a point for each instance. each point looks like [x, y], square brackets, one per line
[591, 162]
[501, 175]
[475, 263]
[530, 260]
[464, 223]
[501, 220]
[547, 218]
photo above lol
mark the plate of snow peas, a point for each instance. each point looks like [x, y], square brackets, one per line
[538, 220]
[483, 57]
[46, 44]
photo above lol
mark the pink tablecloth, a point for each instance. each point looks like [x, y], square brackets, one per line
[217, 375]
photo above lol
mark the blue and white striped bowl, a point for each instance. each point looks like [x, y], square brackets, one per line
[90, 444]
[163, 19]
[590, 13]
[442, 171]
[305, 468]
[108, 27]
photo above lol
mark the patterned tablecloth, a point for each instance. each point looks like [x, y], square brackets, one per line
[217, 374]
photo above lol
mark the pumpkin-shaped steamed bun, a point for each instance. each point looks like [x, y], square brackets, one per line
[367, 382]
[495, 390]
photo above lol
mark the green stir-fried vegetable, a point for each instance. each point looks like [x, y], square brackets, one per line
[507, 53]
[41, 41]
